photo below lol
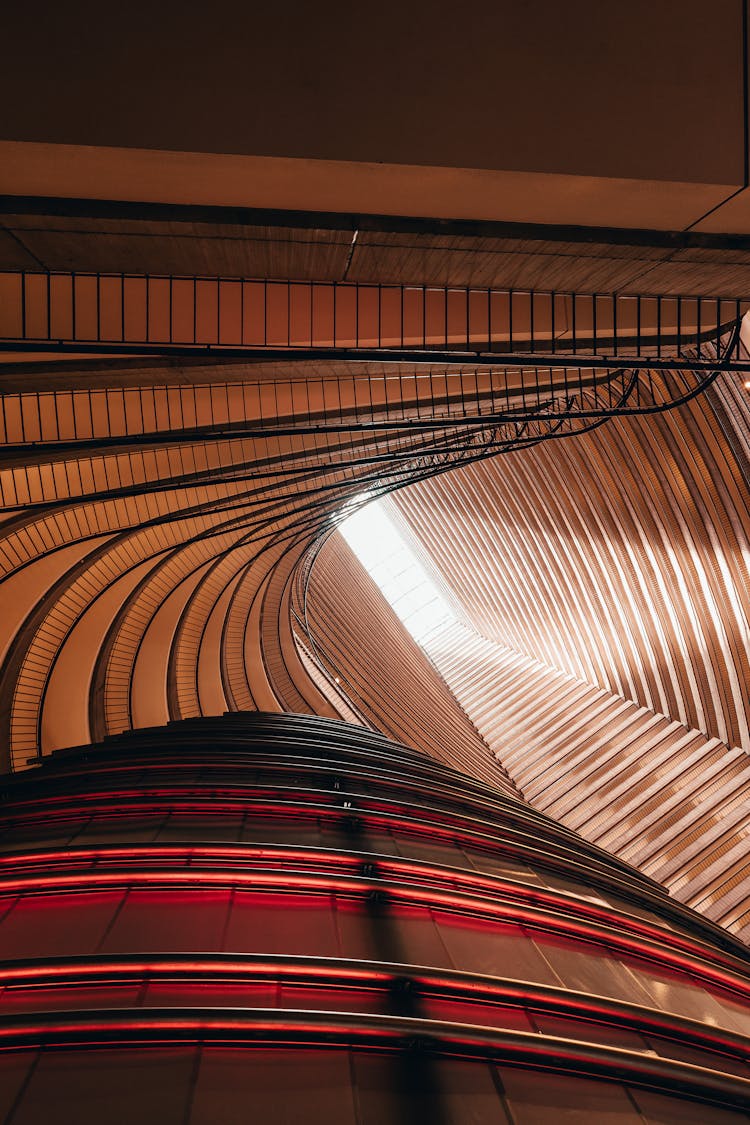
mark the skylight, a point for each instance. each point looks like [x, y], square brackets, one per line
[396, 571]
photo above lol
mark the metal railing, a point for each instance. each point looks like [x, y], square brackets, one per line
[160, 314]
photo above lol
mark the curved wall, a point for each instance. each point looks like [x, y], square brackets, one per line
[619, 556]
[604, 652]
[263, 911]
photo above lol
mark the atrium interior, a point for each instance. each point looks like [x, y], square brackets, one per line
[274, 286]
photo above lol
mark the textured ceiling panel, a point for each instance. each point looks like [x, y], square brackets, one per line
[605, 650]
[663, 797]
[383, 671]
[621, 557]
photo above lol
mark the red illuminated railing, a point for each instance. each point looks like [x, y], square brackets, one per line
[290, 871]
[271, 1026]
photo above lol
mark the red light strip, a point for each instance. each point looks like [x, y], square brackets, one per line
[289, 810]
[444, 879]
[439, 874]
[197, 878]
[34, 974]
[445, 826]
[178, 851]
[298, 1028]
[450, 985]
[285, 797]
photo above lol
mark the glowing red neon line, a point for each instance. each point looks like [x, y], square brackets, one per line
[455, 988]
[603, 1060]
[196, 877]
[432, 876]
[214, 968]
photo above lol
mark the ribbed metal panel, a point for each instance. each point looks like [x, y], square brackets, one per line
[605, 654]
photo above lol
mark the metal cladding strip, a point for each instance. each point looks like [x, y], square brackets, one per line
[605, 648]
[376, 976]
[305, 1028]
[309, 870]
[662, 796]
[402, 695]
[627, 572]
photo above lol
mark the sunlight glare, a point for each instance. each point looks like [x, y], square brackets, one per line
[395, 570]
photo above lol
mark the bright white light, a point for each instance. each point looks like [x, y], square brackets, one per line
[394, 568]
